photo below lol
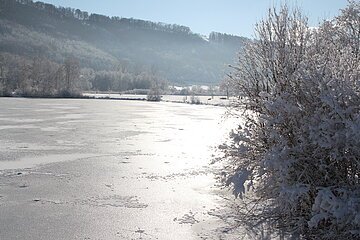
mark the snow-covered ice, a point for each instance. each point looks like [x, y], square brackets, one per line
[95, 169]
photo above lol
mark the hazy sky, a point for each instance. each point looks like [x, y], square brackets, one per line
[203, 16]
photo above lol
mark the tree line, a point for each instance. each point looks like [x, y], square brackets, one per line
[42, 77]
[98, 18]
[38, 77]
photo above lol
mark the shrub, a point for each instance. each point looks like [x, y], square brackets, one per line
[154, 95]
[195, 100]
[295, 160]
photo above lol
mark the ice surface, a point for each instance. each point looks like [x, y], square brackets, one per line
[96, 169]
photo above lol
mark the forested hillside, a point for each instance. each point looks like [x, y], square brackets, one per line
[109, 53]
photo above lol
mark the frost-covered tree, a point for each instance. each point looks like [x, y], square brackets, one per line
[3, 80]
[295, 160]
[72, 72]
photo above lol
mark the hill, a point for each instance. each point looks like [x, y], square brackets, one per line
[108, 49]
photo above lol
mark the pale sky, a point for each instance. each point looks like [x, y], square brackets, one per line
[236, 17]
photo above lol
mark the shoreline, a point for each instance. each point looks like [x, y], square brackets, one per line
[131, 97]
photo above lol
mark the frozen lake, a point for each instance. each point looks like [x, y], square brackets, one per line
[104, 169]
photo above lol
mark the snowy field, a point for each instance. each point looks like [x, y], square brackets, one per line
[94, 169]
[207, 100]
